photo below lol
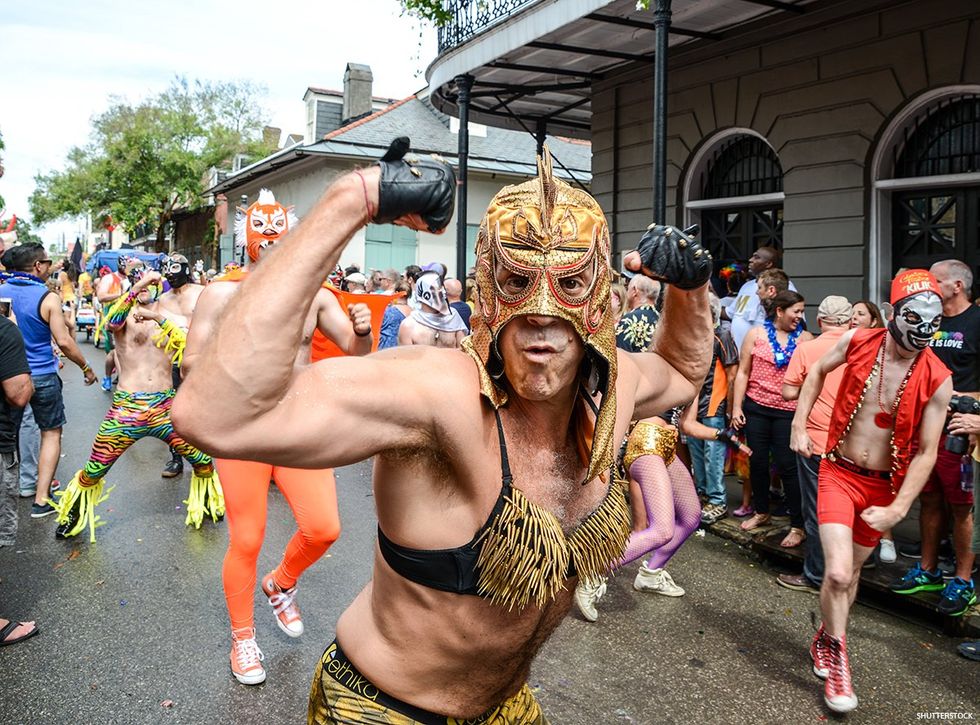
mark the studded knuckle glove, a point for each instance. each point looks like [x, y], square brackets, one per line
[410, 184]
[673, 256]
[728, 435]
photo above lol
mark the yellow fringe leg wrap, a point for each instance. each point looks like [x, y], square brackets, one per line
[87, 498]
[205, 498]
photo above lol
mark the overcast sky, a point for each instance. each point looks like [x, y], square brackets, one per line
[61, 61]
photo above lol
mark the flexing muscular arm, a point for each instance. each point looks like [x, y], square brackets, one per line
[209, 306]
[334, 412]
[831, 360]
[674, 373]
[682, 346]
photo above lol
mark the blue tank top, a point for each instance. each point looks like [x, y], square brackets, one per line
[25, 299]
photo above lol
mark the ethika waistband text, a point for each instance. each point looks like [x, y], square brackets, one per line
[339, 668]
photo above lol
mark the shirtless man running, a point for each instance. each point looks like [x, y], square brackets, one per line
[147, 344]
[893, 395]
[514, 433]
[311, 494]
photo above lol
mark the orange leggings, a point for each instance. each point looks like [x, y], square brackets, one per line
[312, 495]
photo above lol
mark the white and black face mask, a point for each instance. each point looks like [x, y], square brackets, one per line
[916, 320]
[429, 291]
[177, 271]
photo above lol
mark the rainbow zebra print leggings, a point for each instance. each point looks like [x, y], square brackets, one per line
[133, 416]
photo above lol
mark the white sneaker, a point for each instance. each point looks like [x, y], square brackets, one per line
[886, 552]
[246, 658]
[657, 581]
[587, 593]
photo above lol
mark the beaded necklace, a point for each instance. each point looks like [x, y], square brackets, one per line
[24, 276]
[885, 418]
[781, 356]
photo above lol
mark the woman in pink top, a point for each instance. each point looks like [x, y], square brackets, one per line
[760, 410]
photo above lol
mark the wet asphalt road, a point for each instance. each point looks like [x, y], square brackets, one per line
[134, 627]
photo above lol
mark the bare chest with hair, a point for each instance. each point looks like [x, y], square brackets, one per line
[552, 478]
[137, 338]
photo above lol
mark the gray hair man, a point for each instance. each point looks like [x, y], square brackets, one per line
[957, 345]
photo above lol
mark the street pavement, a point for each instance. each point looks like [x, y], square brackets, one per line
[134, 627]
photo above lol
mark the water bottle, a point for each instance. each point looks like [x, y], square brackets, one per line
[966, 473]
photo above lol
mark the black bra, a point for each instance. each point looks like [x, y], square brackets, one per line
[451, 570]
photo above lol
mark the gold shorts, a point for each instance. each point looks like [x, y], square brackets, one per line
[647, 438]
[341, 695]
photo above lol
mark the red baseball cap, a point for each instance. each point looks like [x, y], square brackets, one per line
[912, 282]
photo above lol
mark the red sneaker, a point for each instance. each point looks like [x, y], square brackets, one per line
[838, 690]
[818, 653]
[283, 603]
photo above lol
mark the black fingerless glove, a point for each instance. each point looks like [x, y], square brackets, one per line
[729, 436]
[410, 184]
[670, 255]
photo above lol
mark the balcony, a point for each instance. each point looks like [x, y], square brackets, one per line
[471, 17]
[534, 61]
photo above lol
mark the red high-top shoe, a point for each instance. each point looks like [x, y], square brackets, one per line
[818, 653]
[838, 690]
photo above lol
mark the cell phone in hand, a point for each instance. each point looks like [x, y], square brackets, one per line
[5, 306]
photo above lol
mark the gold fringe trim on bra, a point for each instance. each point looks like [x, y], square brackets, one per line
[525, 555]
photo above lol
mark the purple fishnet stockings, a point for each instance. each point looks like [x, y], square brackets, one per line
[672, 506]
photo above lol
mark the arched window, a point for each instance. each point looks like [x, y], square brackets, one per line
[739, 199]
[935, 222]
[743, 166]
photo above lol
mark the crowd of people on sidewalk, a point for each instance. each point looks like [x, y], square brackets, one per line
[648, 384]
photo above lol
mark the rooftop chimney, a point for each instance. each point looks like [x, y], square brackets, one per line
[357, 91]
[270, 136]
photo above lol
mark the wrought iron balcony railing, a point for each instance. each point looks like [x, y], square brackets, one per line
[470, 17]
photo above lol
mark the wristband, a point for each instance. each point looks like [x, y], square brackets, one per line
[86, 368]
[371, 212]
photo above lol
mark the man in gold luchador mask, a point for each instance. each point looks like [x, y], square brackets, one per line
[494, 464]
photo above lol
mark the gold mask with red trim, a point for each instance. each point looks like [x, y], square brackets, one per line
[545, 230]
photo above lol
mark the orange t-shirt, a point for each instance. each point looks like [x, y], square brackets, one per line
[807, 353]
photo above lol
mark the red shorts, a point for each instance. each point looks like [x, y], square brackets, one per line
[945, 477]
[843, 495]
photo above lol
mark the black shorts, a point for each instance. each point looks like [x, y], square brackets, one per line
[47, 402]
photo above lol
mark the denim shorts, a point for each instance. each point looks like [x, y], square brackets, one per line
[47, 402]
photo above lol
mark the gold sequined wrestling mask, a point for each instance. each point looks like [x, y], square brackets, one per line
[546, 231]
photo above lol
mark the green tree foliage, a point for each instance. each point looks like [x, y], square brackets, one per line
[23, 228]
[430, 10]
[146, 160]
